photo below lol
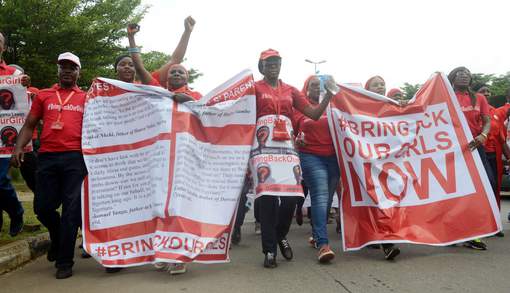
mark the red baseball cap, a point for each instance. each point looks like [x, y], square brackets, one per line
[269, 53]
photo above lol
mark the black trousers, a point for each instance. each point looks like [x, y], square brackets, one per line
[28, 169]
[275, 219]
[59, 180]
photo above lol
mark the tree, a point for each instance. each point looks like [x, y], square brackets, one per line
[500, 85]
[480, 79]
[153, 60]
[38, 30]
[410, 89]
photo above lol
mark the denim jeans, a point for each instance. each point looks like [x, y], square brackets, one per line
[8, 199]
[321, 174]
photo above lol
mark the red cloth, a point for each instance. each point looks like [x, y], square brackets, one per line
[153, 82]
[31, 93]
[46, 107]
[317, 137]
[286, 97]
[473, 114]
[186, 90]
[6, 70]
[495, 141]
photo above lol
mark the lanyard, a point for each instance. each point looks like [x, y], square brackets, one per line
[62, 104]
[276, 104]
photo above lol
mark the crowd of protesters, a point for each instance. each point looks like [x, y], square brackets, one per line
[56, 169]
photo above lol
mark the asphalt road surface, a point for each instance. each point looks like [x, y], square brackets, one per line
[417, 269]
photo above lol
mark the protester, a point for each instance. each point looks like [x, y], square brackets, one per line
[376, 84]
[61, 168]
[275, 97]
[177, 76]
[396, 94]
[476, 110]
[496, 145]
[175, 79]
[8, 198]
[320, 166]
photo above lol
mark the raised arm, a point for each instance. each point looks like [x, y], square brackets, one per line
[180, 50]
[141, 72]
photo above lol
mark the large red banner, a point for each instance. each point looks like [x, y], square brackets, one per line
[407, 173]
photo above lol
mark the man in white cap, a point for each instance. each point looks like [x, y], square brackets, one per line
[61, 168]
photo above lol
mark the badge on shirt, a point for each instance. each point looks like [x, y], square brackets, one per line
[57, 125]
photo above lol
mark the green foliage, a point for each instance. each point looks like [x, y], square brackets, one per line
[409, 90]
[498, 85]
[39, 30]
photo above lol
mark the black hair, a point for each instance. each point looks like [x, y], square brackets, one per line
[118, 59]
[477, 86]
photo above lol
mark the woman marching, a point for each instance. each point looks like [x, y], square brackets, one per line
[376, 84]
[276, 165]
[320, 167]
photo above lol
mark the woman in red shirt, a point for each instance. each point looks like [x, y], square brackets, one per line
[376, 84]
[476, 110]
[320, 166]
[277, 161]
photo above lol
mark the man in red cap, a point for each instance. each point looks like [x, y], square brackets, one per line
[61, 168]
[8, 198]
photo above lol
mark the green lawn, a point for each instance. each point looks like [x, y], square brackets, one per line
[29, 217]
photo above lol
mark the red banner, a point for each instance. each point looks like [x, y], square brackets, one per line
[408, 175]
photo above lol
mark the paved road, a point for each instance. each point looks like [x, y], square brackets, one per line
[417, 269]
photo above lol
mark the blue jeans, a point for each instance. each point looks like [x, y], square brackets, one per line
[8, 199]
[321, 174]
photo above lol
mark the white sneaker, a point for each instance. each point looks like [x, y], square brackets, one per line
[257, 228]
[161, 266]
[177, 268]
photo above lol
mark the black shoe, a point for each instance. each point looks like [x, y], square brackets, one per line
[236, 236]
[270, 260]
[285, 249]
[64, 273]
[112, 270]
[500, 234]
[51, 256]
[84, 254]
[391, 252]
[476, 244]
[16, 226]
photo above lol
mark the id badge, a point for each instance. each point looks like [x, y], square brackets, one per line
[57, 125]
[280, 132]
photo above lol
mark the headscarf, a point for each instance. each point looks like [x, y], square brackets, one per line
[370, 80]
[393, 92]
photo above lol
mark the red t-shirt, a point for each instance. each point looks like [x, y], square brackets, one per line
[31, 93]
[285, 97]
[317, 137]
[6, 70]
[46, 107]
[153, 82]
[473, 114]
[497, 135]
[186, 90]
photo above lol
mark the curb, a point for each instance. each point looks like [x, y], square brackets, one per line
[15, 254]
